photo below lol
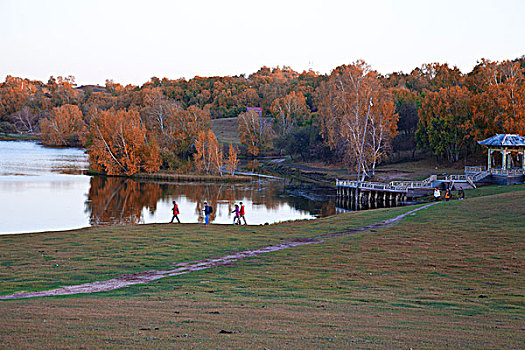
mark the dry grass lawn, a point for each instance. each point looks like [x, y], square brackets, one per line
[451, 276]
[226, 130]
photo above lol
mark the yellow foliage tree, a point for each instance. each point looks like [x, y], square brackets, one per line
[120, 144]
[233, 160]
[254, 132]
[209, 157]
[64, 127]
[289, 110]
[358, 116]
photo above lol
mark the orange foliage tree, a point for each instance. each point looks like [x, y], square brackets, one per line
[348, 115]
[183, 127]
[14, 93]
[208, 156]
[289, 111]
[255, 132]
[498, 105]
[382, 126]
[175, 128]
[120, 144]
[62, 90]
[64, 127]
[22, 103]
[444, 121]
[233, 160]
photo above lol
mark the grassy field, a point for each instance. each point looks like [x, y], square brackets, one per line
[448, 276]
[417, 170]
[226, 130]
[18, 137]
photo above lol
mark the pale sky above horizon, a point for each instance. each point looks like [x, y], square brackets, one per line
[131, 41]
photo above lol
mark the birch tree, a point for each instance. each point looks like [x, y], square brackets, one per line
[64, 127]
[120, 144]
[289, 111]
[208, 156]
[255, 132]
[357, 116]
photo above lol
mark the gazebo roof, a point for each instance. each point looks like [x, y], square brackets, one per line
[504, 140]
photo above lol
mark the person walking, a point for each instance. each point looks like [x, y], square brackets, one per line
[175, 211]
[448, 195]
[461, 194]
[207, 211]
[241, 214]
[437, 194]
[236, 220]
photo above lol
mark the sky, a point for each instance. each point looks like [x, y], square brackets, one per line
[131, 41]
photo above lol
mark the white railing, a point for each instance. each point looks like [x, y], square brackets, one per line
[507, 171]
[483, 170]
[392, 186]
[478, 176]
[472, 175]
[408, 184]
[456, 178]
[474, 169]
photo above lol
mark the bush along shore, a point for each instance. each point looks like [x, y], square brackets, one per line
[171, 177]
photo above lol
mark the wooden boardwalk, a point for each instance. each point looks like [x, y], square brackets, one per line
[394, 191]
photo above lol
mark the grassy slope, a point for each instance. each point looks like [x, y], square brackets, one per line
[226, 130]
[450, 276]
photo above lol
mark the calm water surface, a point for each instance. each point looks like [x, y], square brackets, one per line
[44, 189]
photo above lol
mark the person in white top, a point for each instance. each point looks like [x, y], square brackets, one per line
[437, 194]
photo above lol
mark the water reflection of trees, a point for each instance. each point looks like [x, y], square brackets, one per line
[113, 200]
[224, 193]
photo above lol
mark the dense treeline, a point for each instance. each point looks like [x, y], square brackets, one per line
[353, 114]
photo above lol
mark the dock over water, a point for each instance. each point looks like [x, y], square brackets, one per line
[400, 191]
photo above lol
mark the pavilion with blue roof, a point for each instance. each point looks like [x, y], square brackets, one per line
[512, 149]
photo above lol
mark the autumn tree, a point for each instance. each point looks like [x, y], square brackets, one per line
[357, 115]
[289, 111]
[14, 93]
[156, 109]
[62, 90]
[513, 102]
[406, 102]
[64, 127]
[208, 156]
[233, 160]
[248, 98]
[183, 127]
[119, 144]
[498, 98]
[444, 121]
[25, 120]
[22, 104]
[383, 126]
[175, 128]
[272, 83]
[255, 132]
[442, 76]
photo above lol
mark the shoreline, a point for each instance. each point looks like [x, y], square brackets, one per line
[169, 177]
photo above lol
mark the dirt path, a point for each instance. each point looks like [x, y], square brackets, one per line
[182, 268]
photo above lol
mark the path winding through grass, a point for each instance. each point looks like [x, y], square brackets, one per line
[183, 268]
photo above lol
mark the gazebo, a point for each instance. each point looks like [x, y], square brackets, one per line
[512, 149]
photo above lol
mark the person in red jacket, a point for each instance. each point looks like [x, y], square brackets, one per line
[175, 210]
[241, 213]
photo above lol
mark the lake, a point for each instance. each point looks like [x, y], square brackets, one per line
[46, 189]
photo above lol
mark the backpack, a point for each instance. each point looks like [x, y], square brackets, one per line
[210, 209]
